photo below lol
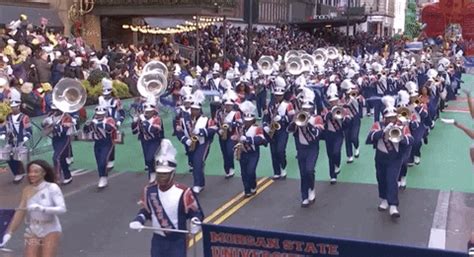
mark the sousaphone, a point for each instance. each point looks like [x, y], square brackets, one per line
[156, 66]
[69, 95]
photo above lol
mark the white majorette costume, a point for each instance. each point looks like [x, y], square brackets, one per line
[168, 205]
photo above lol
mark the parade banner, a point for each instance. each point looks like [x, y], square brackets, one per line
[222, 241]
[6, 216]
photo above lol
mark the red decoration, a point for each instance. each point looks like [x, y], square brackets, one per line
[438, 16]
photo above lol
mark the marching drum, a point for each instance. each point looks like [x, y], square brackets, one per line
[81, 136]
[119, 137]
[21, 153]
[5, 153]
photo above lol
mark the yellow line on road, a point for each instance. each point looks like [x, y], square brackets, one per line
[229, 203]
[265, 182]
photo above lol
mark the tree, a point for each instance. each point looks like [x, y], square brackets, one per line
[412, 26]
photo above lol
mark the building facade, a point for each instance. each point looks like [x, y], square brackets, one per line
[399, 19]
[381, 17]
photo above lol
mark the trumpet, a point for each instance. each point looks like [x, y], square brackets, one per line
[274, 127]
[225, 129]
[337, 112]
[403, 113]
[302, 118]
[194, 141]
[353, 94]
[238, 151]
[395, 135]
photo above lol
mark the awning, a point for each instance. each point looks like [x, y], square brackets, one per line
[337, 22]
[164, 22]
[9, 13]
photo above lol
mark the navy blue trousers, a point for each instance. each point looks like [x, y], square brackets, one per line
[62, 148]
[307, 158]
[163, 247]
[227, 149]
[199, 157]
[261, 102]
[278, 151]
[387, 173]
[406, 158]
[351, 135]
[103, 151]
[248, 169]
[150, 147]
[333, 149]
[15, 166]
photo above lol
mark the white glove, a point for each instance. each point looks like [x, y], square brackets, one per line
[135, 119]
[195, 225]
[142, 117]
[446, 121]
[5, 240]
[35, 207]
[25, 139]
[220, 131]
[188, 142]
[3, 137]
[277, 118]
[95, 121]
[388, 127]
[118, 123]
[267, 129]
[243, 138]
[135, 225]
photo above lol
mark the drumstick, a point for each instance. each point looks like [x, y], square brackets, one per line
[6, 250]
[167, 230]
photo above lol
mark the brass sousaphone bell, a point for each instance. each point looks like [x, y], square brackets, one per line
[294, 65]
[152, 84]
[156, 66]
[332, 53]
[308, 61]
[265, 64]
[320, 56]
[69, 95]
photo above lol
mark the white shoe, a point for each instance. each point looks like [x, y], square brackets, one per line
[333, 181]
[350, 160]
[275, 177]
[230, 174]
[356, 153]
[253, 190]
[102, 182]
[305, 203]
[67, 181]
[417, 160]
[110, 165]
[403, 182]
[311, 195]
[383, 205]
[18, 178]
[338, 170]
[197, 189]
[394, 211]
[69, 160]
[283, 173]
[152, 177]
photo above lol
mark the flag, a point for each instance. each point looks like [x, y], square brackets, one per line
[6, 216]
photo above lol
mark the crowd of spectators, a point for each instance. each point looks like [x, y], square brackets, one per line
[34, 59]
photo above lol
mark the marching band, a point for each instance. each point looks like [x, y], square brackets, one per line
[323, 96]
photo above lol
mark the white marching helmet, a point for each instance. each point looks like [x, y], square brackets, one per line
[165, 160]
[390, 110]
[249, 110]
